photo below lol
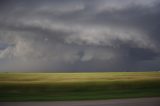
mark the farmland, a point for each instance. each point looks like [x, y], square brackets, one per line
[78, 86]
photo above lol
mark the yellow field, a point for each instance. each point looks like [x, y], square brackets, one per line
[78, 86]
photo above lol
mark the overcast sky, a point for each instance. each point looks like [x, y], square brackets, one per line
[79, 35]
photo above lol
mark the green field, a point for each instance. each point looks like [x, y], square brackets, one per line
[78, 86]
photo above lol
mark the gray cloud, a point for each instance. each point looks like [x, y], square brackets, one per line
[83, 35]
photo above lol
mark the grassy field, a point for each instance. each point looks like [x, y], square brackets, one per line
[78, 86]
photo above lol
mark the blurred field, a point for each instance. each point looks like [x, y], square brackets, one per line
[78, 86]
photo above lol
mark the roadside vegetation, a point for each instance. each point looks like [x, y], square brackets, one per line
[78, 86]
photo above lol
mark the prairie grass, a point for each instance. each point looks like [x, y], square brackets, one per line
[78, 86]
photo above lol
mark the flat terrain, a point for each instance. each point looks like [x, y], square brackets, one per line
[121, 102]
[78, 86]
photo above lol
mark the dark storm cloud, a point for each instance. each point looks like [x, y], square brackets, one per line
[80, 35]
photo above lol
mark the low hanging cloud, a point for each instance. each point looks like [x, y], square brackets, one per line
[83, 35]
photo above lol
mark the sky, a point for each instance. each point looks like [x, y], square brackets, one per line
[79, 35]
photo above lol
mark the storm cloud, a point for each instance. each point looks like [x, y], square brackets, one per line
[79, 35]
